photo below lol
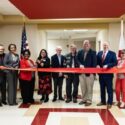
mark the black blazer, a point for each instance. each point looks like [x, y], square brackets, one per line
[110, 61]
[90, 60]
[2, 59]
[55, 63]
[46, 63]
[69, 58]
[2, 73]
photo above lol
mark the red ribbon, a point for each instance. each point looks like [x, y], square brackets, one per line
[71, 70]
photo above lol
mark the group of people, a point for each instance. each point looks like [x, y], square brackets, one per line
[84, 58]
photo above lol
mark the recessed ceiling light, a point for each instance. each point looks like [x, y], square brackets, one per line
[80, 30]
[65, 30]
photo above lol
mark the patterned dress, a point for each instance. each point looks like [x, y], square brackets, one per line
[45, 82]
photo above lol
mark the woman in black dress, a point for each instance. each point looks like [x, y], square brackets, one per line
[45, 83]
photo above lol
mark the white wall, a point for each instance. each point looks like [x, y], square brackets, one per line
[42, 40]
[102, 36]
[53, 43]
[38, 39]
[114, 36]
[12, 34]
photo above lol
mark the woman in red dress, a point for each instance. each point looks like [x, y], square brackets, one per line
[120, 81]
[45, 82]
[27, 78]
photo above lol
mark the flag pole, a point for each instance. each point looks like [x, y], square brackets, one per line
[122, 27]
[24, 42]
[122, 40]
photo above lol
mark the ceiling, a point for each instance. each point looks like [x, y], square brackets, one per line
[11, 14]
[45, 12]
[71, 14]
[7, 8]
[64, 9]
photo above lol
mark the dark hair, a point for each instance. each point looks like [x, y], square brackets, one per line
[27, 52]
[11, 45]
[39, 57]
[123, 51]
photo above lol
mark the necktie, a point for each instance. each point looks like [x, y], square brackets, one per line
[85, 54]
[59, 58]
[103, 56]
[73, 62]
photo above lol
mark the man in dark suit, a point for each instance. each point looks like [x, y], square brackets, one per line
[58, 61]
[72, 78]
[87, 59]
[2, 78]
[106, 59]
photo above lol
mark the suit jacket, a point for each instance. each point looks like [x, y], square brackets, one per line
[55, 63]
[69, 59]
[9, 62]
[110, 60]
[90, 61]
[2, 73]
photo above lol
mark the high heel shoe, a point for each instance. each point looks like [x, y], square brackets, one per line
[43, 97]
[46, 99]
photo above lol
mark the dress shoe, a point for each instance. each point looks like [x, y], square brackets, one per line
[15, 103]
[88, 103]
[25, 103]
[117, 104]
[32, 101]
[47, 99]
[74, 100]
[54, 99]
[68, 100]
[122, 105]
[100, 104]
[4, 102]
[62, 99]
[109, 106]
[11, 104]
[82, 102]
[42, 98]
[0, 105]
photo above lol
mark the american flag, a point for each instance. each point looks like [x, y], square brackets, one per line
[24, 42]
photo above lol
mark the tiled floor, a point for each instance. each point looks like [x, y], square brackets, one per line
[61, 113]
